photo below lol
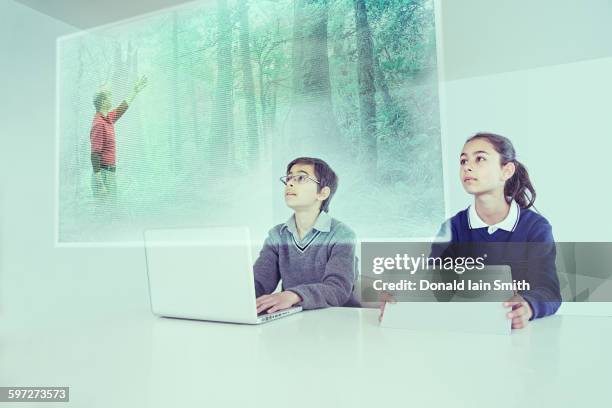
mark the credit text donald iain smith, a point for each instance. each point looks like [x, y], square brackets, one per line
[410, 264]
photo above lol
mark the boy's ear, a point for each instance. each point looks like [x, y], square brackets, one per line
[324, 193]
[508, 170]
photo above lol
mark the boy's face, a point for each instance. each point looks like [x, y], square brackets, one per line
[480, 168]
[304, 195]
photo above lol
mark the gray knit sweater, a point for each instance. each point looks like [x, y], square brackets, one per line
[321, 268]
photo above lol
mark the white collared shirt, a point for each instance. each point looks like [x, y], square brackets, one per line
[322, 223]
[507, 224]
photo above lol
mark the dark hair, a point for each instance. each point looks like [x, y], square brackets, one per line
[519, 186]
[99, 97]
[324, 174]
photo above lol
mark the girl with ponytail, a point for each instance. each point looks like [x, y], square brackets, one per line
[502, 222]
[502, 213]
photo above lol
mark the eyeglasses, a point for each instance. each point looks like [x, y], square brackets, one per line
[298, 178]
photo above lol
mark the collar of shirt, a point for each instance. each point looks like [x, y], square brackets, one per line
[508, 224]
[323, 224]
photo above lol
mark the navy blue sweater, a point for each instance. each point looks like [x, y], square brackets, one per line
[529, 249]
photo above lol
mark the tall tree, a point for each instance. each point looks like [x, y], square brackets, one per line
[401, 56]
[175, 142]
[195, 110]
[118, 82]
[223, 120]
[249, 87]
[313, 128]
[367, 91]
[268, 48]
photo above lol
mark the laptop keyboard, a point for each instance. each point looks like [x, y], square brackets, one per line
[265, 316]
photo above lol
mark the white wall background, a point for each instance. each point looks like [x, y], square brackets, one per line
[535, 71]
[538, 73]
[558, 118]
[36, 279]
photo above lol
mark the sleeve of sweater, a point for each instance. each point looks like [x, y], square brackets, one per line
[544, 295]
[114, 115]
[265, 270]
[338, 280]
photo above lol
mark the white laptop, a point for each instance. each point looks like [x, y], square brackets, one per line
[467, 312]
[204, 274]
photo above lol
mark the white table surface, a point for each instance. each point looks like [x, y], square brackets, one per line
[336, 357]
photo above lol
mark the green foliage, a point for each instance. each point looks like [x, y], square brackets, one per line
[168, 136]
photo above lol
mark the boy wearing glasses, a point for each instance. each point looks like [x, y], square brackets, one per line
[312, 253]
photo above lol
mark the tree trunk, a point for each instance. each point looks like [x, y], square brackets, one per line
[195, 112]
[268, 90]
[311, 127]
[249, 87]
[222, 157]
[175, 108]
[367, 91]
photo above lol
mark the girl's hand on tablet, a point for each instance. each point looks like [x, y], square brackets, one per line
[521, 311]
[384, 298]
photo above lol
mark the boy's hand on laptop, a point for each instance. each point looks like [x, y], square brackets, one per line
[385, 297]
[521, 311]
[277, 301]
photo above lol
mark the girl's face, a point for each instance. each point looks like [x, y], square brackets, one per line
[480, 168]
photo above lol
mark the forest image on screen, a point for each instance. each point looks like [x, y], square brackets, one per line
[189, 116]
